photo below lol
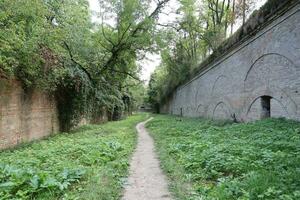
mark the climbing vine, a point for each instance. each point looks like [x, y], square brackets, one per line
[90, 68]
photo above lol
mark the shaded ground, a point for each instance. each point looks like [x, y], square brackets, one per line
[146, 180]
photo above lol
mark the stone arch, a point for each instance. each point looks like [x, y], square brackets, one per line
[282, 105]
[267, 70]
[222, 111]
[278, 109]
[220, 86]
[199, 89]
[201, 110]
[196, 98]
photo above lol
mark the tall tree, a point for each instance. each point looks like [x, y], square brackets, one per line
[53, 45]
[203, 26]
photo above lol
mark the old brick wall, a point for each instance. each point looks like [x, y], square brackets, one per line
[101, 117]
[25, 116]
[238, 85]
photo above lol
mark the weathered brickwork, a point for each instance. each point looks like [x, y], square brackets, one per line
[25, 116]
[258, 78]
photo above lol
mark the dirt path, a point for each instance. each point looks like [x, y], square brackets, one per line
[146, 180]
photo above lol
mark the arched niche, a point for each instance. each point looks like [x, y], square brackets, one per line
[221, 86]
[271, 69]
[222, 112]
[201, 110]
[280, 104]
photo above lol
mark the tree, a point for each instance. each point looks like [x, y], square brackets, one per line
[203, 26]
[243, 7]
[89, 67]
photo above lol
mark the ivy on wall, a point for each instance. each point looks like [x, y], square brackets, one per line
[53, 46]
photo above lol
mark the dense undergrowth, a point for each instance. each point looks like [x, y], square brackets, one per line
[205, 160]
[89, 163]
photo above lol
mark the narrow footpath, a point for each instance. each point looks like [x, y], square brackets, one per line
[146, 180]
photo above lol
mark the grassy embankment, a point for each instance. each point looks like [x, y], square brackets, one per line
[205, 160]
[89, 163]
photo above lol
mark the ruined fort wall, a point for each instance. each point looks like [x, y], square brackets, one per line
[25, 115]
[262, 71]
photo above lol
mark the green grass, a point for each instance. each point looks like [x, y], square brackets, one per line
[207, 160]
[89, 163]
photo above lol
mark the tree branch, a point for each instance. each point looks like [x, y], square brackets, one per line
[77, 63]
[2, 74]
[169, 26]
[125, 44]
[126, 73]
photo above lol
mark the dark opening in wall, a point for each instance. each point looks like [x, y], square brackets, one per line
[266, 107]
[181, 112]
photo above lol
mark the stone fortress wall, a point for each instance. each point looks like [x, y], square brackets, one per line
[255, 79]
[25, 116]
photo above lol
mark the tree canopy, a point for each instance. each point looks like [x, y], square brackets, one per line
[92, 68]
[54, 46]
[189, 40]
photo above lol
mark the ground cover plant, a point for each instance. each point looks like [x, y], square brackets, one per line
[208, 160]
[88, 163]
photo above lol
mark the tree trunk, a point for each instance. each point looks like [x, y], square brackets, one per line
[226, 17]
[233, 16]
[244, 12]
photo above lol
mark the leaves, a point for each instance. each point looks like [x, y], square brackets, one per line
[25, 182]
[69, 164]
[54, 46]
[235, 161]
[200, 29]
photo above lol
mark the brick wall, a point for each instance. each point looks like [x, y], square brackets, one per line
[25, 116]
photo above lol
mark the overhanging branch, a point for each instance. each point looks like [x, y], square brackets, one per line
[77, 63]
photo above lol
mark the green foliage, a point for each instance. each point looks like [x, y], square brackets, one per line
[89, 163]
[188, 41]
[53, 45]
[22, 26]
[205, 160]
[26, 183]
